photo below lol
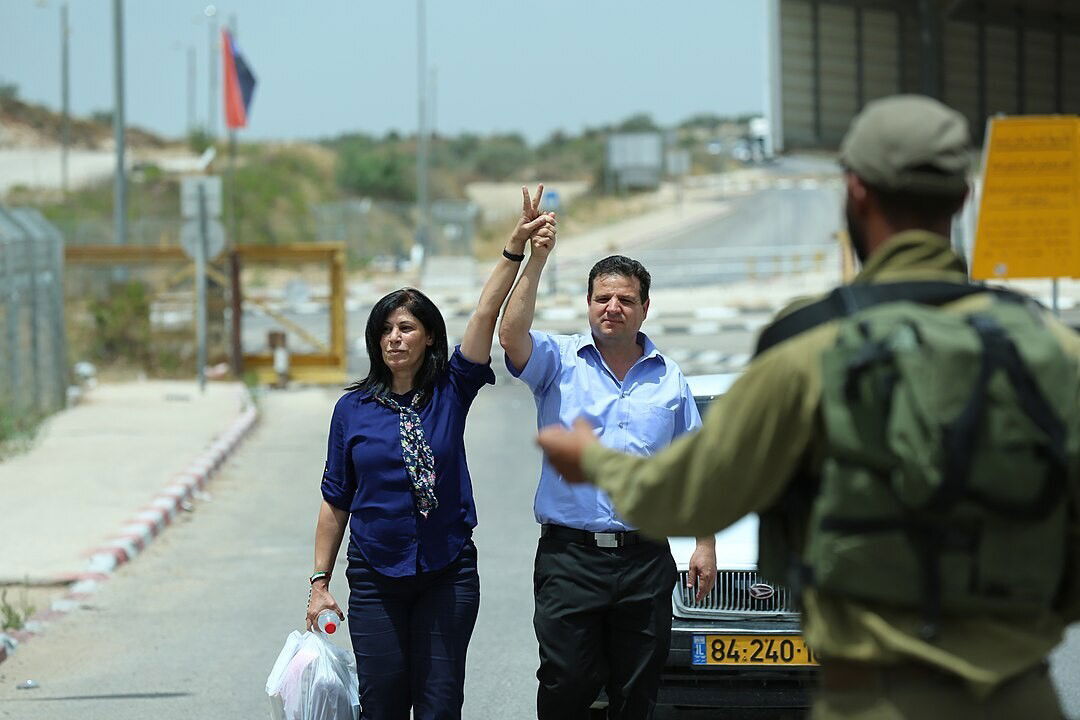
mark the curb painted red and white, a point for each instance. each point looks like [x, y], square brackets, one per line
[136, 534]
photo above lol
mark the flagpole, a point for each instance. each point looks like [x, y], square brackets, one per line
[234, 255]
[234, 225]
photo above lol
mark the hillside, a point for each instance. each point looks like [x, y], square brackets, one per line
[26, 125]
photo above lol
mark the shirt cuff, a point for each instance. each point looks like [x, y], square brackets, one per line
[539, 361]
[478, 373]
[333, 494]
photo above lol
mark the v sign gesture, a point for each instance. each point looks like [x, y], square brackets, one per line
[540, 228]
[531, 219]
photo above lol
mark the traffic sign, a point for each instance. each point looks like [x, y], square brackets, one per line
[550, 200]
[1029, 213]
[189, 196]
[215, 238]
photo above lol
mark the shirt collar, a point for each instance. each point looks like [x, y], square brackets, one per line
[913, 255]
[648, 347]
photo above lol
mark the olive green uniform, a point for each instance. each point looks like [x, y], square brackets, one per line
[767, 431]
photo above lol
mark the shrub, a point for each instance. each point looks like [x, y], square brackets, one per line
[122, 322]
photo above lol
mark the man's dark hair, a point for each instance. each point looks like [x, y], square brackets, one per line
[908, 209]
[379, 378]
[621, 265]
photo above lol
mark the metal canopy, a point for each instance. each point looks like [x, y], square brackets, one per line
[983, 57]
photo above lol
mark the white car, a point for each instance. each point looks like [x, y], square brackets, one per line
[740, 647]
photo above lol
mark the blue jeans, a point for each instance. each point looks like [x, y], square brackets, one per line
[410, 636]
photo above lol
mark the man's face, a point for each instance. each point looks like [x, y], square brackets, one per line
[615, 308]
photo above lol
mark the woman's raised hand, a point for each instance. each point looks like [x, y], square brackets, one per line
[531, 220]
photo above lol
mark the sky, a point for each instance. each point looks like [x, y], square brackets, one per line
[327, 67]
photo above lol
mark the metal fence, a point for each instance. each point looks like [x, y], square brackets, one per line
[33, 345]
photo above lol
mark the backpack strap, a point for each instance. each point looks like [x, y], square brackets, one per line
[849, 299]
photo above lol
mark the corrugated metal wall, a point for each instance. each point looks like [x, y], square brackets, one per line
[836, 55]
[797, 85]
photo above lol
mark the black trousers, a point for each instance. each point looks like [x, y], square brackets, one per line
[410, 636]
[603, 620]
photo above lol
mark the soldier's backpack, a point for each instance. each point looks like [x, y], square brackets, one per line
[951, 440]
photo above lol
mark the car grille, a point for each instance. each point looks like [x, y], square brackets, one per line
[732, 595]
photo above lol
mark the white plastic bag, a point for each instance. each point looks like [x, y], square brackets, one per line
[313, 679]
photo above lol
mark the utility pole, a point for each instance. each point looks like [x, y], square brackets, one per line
[421, 138]
[65, 99]
[191, 88]
[433, 95]
[212, 48]
[120, 198]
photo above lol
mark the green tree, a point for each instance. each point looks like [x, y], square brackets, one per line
[383, 171]
[199, 139]
[641, 122]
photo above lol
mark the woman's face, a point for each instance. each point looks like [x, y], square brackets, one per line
[404, 342]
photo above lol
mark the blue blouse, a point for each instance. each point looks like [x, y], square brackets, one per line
[365, 475]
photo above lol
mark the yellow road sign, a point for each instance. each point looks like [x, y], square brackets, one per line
[1029, 213]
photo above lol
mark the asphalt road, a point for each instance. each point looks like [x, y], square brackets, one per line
[192, 627]
[770, 231]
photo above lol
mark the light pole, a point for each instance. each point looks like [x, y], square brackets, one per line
[120, 198]
[421, 139]
[191, 121]
[65, 104]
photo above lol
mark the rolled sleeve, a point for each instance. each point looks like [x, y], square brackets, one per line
[687, 418]
[543, 365]
[338, 481]
[468, 377]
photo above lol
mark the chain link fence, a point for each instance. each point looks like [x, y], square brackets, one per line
[33, 345]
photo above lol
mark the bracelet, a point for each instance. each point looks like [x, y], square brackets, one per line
[512, 257]
[318, 576]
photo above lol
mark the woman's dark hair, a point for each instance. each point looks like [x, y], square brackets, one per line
[379, 378]
[621, 265]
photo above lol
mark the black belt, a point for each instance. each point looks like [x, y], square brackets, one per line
[591, 539]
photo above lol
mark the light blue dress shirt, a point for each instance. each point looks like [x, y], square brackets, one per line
[641, 415]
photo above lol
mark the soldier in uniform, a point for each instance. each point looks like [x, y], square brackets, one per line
[910, 443]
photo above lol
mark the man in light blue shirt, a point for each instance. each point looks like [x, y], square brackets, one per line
[602, 591]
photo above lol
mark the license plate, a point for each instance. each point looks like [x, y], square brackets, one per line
[779, 650]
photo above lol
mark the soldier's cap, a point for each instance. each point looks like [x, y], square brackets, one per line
[909, 143]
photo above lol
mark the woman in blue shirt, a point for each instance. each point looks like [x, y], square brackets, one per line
[396, 475]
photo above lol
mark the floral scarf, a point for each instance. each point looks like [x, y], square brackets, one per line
[419, 461]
